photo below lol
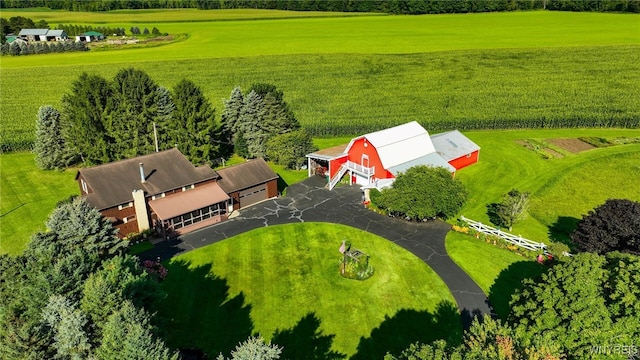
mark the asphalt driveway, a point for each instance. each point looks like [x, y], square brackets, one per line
[310, 201]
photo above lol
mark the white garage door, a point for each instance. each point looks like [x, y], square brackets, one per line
[253, 195]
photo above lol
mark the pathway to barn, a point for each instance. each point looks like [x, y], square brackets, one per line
[310, 201]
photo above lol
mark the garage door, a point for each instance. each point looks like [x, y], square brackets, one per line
[253, 195]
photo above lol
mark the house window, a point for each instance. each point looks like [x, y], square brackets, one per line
[159, 196]
[84, 186]
[189, 187]
[124, 206]
[128, 218]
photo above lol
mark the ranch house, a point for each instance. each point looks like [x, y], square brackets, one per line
[374, 160]
[166, 192]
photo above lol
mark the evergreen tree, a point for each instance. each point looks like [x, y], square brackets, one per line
[192, 126]
[128, 334]
[49, 147]
[82, 119]
[78, 225]
[278, 117]
[164, 114]
[251, 116]
[255, 348]
[132, 110]
[119, 279]
[69, 326]
[232, 109]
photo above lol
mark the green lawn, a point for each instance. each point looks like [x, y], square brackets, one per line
[498, 272]
[561, 188]
[27, 197]
[283, 283]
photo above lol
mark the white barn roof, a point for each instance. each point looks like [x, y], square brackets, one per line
[452, 145]
[25, 32]
[400, 144]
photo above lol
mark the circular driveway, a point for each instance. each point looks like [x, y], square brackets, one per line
[310, 201]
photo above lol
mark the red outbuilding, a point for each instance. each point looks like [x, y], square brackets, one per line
[377, 158]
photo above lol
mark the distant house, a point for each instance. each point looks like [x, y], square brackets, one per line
[376, 158]
[89, 36]
[42, 35]
[166, 192]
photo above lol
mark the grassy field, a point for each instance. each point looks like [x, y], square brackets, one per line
[354, 75]
[498, 272]
[283, 283]
[560, 188]
[27, 197]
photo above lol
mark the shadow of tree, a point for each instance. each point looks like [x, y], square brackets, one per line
[492, 213]
[198, 312]
[409, 326]
[508, 281]
[306, 341]
[561, 230]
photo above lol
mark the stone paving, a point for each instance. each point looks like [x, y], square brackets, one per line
[310, 201]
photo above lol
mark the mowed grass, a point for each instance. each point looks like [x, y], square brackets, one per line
[284, 279]
[27, 197]
[498, 272]
[345, 75]
[559, 187]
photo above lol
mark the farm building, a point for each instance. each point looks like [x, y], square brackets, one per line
[90, 36]
[376, 158]
[166, 192]
[42, 35]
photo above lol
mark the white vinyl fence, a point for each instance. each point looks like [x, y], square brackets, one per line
[513, 239]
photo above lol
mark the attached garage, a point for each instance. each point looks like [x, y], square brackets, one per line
[253, 195]
[248, 183]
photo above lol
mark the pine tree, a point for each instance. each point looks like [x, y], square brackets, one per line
[255, 348]
[83, 116]
[49, 147]
[132, 110]
[78, 225]
[192, 126]
[164, 114]
[128, 334]
[232, 110]
[251, 117]
[69, 326]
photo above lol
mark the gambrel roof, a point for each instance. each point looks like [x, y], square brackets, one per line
[399, 144]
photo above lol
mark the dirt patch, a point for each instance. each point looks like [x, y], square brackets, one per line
[571, 145]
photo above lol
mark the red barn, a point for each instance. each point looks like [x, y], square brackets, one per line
[379, 156]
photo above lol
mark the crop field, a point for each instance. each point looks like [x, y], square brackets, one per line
[349, 75]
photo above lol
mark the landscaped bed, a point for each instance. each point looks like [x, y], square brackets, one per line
[284, 280]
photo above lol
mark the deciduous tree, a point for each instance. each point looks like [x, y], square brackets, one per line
[289, 149]
[511, 209]
[423, 192]
[614, 225]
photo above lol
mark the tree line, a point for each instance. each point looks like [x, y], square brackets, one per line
[413, 7]
[19, 48]
[106, 120]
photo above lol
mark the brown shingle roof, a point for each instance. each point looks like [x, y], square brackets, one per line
[113, 183]
[246, 175]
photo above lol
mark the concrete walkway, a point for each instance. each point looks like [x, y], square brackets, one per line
[310, 201]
